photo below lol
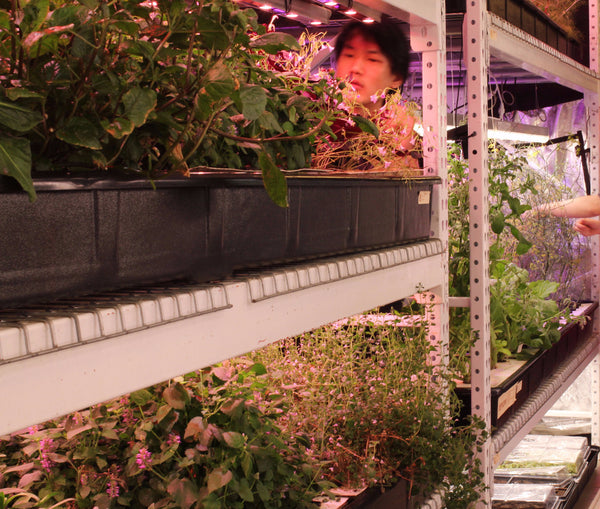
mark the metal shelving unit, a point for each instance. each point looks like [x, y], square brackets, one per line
[485, 34]
[61, 358]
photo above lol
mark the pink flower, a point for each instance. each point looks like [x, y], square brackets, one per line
[112, 488]
[143, 458]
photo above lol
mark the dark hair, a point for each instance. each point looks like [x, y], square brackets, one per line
[390, 38]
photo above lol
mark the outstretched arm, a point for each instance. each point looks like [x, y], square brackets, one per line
[582, 206]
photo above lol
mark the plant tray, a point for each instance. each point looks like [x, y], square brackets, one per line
[85, 235]
[530, 19]
[567, 491]
[513, 382]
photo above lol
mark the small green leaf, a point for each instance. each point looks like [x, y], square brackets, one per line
[498, 223]
[119, 127]
[15, 161]
[273, 180]
[139, 103]
[81, 132]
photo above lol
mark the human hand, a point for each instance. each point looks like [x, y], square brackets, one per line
[587, 226]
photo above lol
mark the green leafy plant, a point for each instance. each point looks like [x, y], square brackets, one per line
[204, 440]
[522, 312]
[150, 88]
[375, 408]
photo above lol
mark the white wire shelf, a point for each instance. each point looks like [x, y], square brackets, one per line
[66, 356]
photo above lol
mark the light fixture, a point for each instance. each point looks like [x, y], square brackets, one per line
[513, 131]
[501, 130]
[305, 12]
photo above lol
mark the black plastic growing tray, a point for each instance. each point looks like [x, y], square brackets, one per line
[85, 235]
[510, 394]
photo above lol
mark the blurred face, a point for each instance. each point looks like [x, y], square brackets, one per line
[362, 64]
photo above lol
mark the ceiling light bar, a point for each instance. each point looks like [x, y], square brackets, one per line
[305, 12]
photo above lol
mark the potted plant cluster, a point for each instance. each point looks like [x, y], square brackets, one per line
[353, 405]
[528, 314]
[145, 133]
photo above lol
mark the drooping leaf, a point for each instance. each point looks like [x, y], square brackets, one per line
[217, 479]
[139, 103]
[273, 179]
[15, 161]
[366, 125]
[273, 42]
[80, 132]
[18, 118]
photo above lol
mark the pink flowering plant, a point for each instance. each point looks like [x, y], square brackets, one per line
[207, 440]
[375, 408]
[151, 88]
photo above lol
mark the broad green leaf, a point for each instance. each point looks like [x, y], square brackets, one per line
[214, 35]
[184, 493]
[272, 42]
[142, 49]
[273, 180]
[542, 289]
[217, 479]
[18, 117]
[254, 101]
[15, 161]
[258, 369]
[81, 132]
[176, 396]
[233, 439]
[34, 14]
[119, 127]
[126, 27]
[219, 82]
[139, 102]
[141, 397]
[245, 492]
[16, 93]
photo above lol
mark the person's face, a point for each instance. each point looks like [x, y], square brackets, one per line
[362, 64]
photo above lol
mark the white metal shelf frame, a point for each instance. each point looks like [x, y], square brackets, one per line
[154, 337]
[484, 33]
[66, 358]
